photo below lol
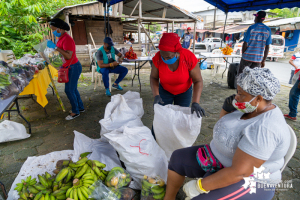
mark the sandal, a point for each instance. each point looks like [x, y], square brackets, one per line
[70, 117]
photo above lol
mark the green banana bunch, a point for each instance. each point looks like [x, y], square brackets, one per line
[84, 155]
[62, 174]
[79, 163]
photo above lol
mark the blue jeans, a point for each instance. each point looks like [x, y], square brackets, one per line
[183, 99]
[294, 99]
[71, 88]
[122, 71]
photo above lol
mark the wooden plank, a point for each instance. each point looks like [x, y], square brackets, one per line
[79, 10]
[149, 36]
[101, 9]
[140, 9]
[120, 8]
[134, 8]
[91, 10]
[96, 9]
[164, 13]
[115, 10]
[194, 40]
[86, 10]
[74, 11]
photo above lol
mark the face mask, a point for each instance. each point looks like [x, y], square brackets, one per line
[55, 33]
[244, 107]
[170, 61]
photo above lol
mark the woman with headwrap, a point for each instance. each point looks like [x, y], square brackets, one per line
[67, 48]
[174, 70]
[254, 136]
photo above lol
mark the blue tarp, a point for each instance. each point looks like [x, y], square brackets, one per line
[243, 5]
[111, 2]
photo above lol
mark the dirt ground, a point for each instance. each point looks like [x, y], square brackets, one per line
[53, 133]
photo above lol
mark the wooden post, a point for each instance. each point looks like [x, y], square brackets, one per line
[194, 36]
[172, 26]
[66, 13]
[140, 24]
[120, 8]
[71, 33]
[150, 34]
[139, 20]
[134, 8]
[140, 9]
[164, 13]
[167, 27]
[92, 40]
[139, 31]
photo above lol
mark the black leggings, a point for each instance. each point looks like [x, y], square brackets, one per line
[184, 162]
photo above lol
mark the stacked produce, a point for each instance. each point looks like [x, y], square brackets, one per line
[227, 50]
[153, 188]
[130, 54]
[72, 180]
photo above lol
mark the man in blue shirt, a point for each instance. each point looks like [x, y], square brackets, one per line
[187, 39]
[256, 43]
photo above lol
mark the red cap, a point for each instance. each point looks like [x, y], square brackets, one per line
[170, 42]
[189, 28]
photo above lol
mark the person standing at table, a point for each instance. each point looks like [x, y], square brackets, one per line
[67, 48]
[256, 43]
[187, 39]
[174, 71]
[106, 64]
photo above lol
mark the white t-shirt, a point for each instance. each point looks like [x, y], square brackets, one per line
[265, 137]
[296, 60]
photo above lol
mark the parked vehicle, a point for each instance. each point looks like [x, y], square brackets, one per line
[199, 48]
[276, 48]
[213, 43]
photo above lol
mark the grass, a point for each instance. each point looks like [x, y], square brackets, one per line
[124, 85]
[24, 108]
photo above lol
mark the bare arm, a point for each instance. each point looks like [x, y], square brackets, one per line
[196, 76]
[102, 65]
[266, 52]
[121, 56]
[154, 80]
[191, 40]
[292, 63]
[245, 46]
[66, 54]
[242, 166]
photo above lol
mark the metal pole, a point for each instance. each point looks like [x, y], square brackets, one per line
[104, 5]
[214, 24]
[108, 29]
[224, 29]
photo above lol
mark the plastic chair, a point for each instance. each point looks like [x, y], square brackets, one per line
[98, 76]
[217, 62]
[291, 150]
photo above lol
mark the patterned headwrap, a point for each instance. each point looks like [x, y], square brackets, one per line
[259, 81]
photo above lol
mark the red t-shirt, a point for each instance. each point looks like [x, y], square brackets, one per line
[179, 81]
[65, 42]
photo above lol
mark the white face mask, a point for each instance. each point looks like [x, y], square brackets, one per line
[244, 107]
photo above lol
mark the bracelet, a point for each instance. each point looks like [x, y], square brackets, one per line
[200, 186]
[111, 64]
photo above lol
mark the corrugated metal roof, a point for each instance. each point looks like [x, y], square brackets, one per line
[283, 21]
[150, 8]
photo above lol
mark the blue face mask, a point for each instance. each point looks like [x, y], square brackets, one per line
[55, 33]
[170, 61]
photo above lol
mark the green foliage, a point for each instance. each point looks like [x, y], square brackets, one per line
[286, 12]
[19, 27]
[154, 27]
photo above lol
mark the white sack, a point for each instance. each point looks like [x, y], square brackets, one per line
[139, 152]
[175, 127]
[38, 165]
[101, 151]
[11, 131]
[118, 113]
[135, 102]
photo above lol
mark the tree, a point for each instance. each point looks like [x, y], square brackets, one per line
[286, 12]
[19, 27]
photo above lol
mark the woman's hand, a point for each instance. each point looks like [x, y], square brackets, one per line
[158, 99]
[198, 109]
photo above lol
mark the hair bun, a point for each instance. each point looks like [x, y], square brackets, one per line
[66, 27]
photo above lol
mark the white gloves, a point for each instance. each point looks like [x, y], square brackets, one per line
[192, 189]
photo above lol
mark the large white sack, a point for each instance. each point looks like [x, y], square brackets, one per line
[101, 151]
[135, 102]
[175, 127]
[118, 113]
[38, 165]
[11, 131]
[139, 152]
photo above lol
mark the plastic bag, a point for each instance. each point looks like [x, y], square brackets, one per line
[9, 91]
[139, 152]
[295, 77]
[153, 188]
[175, 127]
[124, 193]
[11, 131]
[117, 178]
[101, 192]
[54, 57]
[5, 80]
[134, 102]
[118, 113]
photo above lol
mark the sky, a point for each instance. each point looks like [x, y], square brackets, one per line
[191, 5]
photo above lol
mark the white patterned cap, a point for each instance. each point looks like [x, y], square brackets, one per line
[259, 81]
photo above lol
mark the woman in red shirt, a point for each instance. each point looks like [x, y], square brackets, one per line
[66, 47]
[174, 70]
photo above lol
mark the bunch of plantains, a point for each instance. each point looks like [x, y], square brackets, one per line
[72, 181]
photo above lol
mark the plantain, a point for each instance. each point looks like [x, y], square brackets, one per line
[62, 163]
[84, 192]
[69, 175]
[82, 171]
[43, 181]
[63, 197]
[58, 193]
[52, 197]
[56, 171]
[38, 196]
[84, 155]
[62, 174]
[47, 197]
[47, 175]
[99, 164]
[83, 160]
[40, 187]
[80, 195]
[32, 182]
[32, 189]
[69, 191]
[159, 196]
[75, 195]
